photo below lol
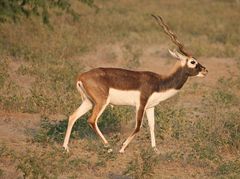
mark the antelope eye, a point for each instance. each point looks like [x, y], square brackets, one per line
[193, 62]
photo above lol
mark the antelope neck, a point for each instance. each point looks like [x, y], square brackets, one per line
[175, 80]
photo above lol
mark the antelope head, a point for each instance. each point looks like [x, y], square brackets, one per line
[188, 63]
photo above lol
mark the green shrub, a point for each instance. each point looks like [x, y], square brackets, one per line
[12, 9]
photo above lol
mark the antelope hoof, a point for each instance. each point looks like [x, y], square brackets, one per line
[66, 148]
[107, 146]
[122, 150]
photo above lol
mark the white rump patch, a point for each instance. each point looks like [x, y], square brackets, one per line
[124, 97]
[157, 97]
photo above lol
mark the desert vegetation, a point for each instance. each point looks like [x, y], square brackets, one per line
[42, 51]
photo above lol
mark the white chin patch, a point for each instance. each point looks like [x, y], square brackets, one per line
[200, 74]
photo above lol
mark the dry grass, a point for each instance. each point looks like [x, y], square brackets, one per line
[38, 66]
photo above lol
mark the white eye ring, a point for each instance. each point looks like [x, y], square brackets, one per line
[192, 63]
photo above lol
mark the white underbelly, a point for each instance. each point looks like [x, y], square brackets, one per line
[157, 97]
[124, 97]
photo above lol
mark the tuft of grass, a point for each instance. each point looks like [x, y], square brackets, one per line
[223, 97]
[3, 72]
[229, 168]
[206, 151]
[30, 166]
[143, 165]
[232, 127]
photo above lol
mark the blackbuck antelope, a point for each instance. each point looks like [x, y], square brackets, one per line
[142, 89]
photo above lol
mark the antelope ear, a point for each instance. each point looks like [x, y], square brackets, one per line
[177, 55]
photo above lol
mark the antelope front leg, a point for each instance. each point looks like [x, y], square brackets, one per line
[139, 116]
[151, 123]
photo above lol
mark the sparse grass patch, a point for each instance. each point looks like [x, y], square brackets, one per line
[210, 132]
[103, 156]
[51, 162]
[31, 168]
[55, 131]
[2, 149]
[33, 164]
[142, 166]
[230, 169]
[206, 151]
[24, 70]
[223, 97]
[52, 91]
[203, 136]
[217, 127]
[54, 88]
[132, 56]
[232, 126]
[3, 72]
[171, 121]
